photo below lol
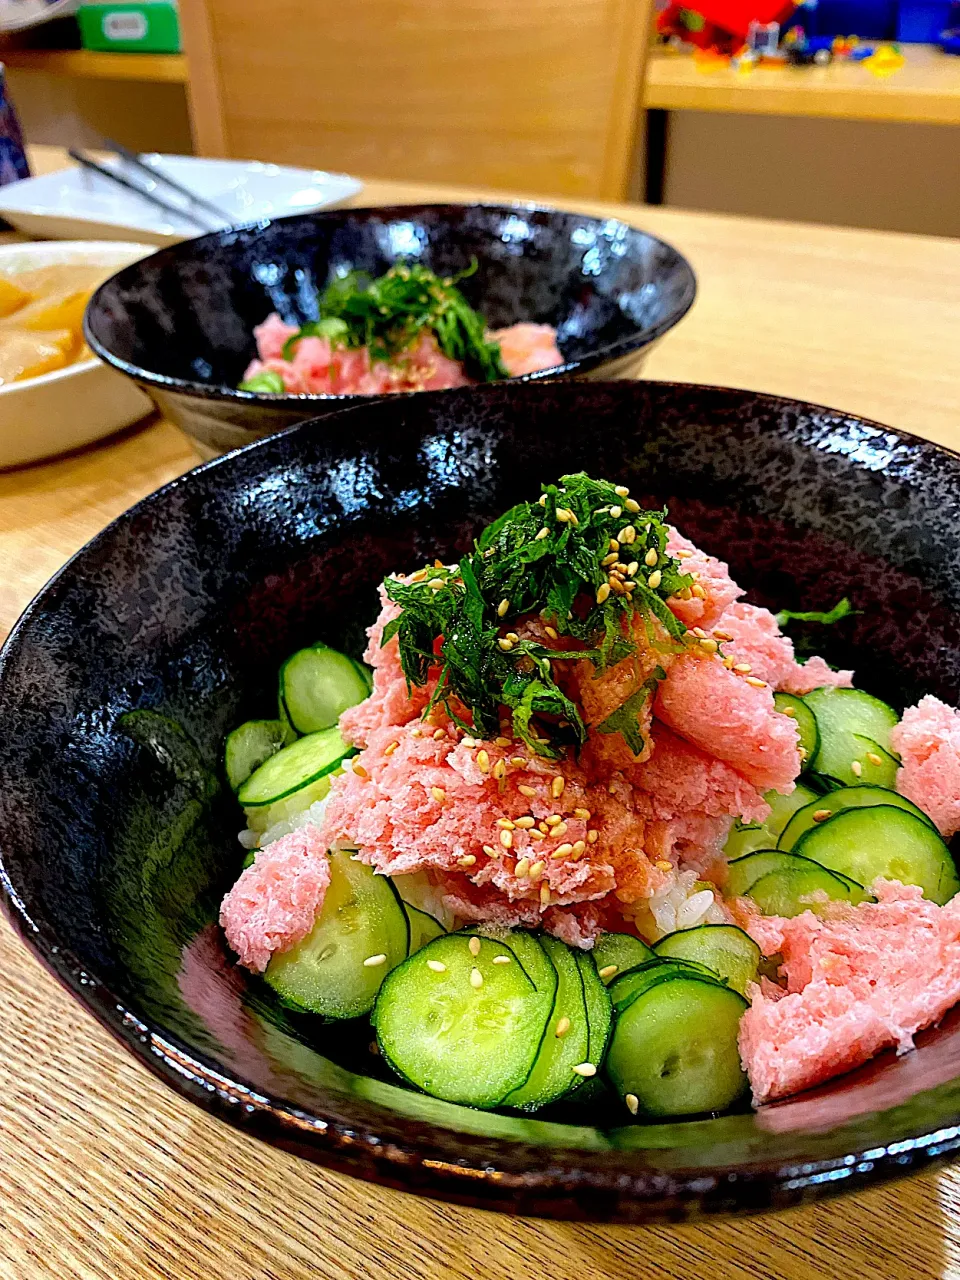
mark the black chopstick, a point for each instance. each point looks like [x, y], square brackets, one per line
[112, 176]
[158, 175]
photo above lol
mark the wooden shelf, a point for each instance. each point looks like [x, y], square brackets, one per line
[925, 89]
[84, 63]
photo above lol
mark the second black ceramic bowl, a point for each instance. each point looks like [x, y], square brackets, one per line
[118, 835]
[181, 322]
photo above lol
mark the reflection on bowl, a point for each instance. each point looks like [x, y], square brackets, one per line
[181, 323]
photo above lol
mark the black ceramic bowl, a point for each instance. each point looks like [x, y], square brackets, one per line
[118, 839]
[181, 322]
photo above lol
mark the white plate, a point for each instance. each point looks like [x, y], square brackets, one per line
[75, 202]
[43, 416]
[18, 15]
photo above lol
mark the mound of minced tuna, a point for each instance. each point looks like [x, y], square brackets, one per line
[612, 840]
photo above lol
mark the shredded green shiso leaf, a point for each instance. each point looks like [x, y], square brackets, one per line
[842, 609]
[541, 557]
[388, 314]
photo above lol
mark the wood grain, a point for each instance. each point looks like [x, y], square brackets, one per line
[108, 1175]
[925, 89]
[88, 64]
[542, 95]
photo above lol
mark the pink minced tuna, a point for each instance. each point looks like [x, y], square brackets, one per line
[757, 640]
[274, 903]
[928, 742]
[317, 367]
[715, 589]
[731, 719]
[860, 980]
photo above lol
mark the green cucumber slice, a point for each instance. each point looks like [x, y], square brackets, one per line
[248, 747]
[295, 767]
[790, 892]
[743, 840]
[362, 917]
[552, 1074]
[883, 841]
[724, 948]
[622, 950]
[423, 927]
[455, 1040]
[625, 989]
[865, 797]
[675, 1048]
[599, 1008]
[851, 723]
[801, 715]
[746, 871]
[318, 684]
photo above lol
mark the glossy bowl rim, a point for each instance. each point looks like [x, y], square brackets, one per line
[641, 339]
[558, 1191]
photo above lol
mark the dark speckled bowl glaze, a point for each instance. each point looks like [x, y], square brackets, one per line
[181, 322]
[118, 840]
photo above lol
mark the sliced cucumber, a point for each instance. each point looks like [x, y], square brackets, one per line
[851, 724]
[746, 871]
[622, 950]
[883, 841]
[730, 952]
[248, 747]
[747, 839]
[878, 767]
[457, 1038]
[675, 1048]
[295, 767]
[625, 989]
[789, 704]
[423, 928]
[362, 918]
[599, 1012]
[566, 1040]
[843, 798]
[318, 684]
[789, 893]
[261, 818]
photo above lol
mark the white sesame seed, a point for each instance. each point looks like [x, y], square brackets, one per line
[856, 768]
[506, 839]
[709, 646]
[501, 959]
[562, 851]
[371, 962]
[684, 555]
[559, 829]
[503, 607]
[522, 867]
[791, 712]
[754, 683]
[698, 591]
[616, 512]
[582, 814]
[468, 860]
[542, 500]
[563, 1026]
[554, 820]
[470, 742]
[483, 761]
[632, 506]
[821, 815]
[544, 533]
[505, 644]
[552, 633]
[536, 835]
[544, 894]
[632, 568]
[579, 848]
[585, 1069]
[435, 584]
[439, 733]
[437, 966]
[655, 579]
[519, 761]
[438, 794]
[525, 790]
[633, 1103]
[524, 823]
[388, 751]
[474, 945]
[743, 667]
[627, 535]
[874, 759]
[593, 835]
[490, 851]
[499, 770]
[503, 741]
[603, 591]
[621, 491]
[476, 979]
[557, 785]
[536, 871]
[608, 970]
[505, 824]
[651, 558]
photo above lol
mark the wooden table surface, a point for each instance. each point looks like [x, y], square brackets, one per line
[925, 89]
[105, 1174]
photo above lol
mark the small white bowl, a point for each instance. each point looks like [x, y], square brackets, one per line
[57, 411]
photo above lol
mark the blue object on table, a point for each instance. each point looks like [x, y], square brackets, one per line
[922, 21]
[13, 158]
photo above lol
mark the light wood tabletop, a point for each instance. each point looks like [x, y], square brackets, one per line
[925, 89]
[109, 1175]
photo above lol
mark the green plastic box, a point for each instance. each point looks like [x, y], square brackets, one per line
[150, 26]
